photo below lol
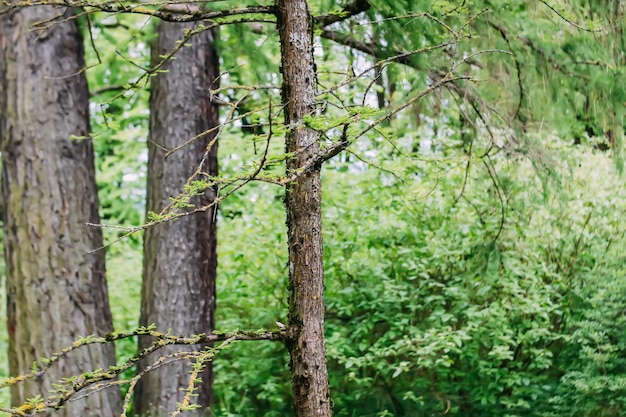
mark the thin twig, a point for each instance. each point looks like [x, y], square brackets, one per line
[576, 25]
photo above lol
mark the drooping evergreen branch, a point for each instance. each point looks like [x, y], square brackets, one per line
[518, 67]
[385, 55]
[487, 114]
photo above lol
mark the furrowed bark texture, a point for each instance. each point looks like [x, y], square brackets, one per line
[56, 289]
[304, 221]
[180, 257]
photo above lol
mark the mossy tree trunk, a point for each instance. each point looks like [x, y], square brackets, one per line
[180, 257]
[305, 341]
[56, 287]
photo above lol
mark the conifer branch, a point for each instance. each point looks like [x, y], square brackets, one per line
[160, 10]
[349, 10]
[576, 25]
[79, 386]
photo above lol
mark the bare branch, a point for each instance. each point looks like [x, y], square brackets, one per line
[350, 42]
[107, 89]
[576, 25]
[349, 10]
[386, 56]
[161, 11]
[79, 386]
[344, 142]
[161, 339]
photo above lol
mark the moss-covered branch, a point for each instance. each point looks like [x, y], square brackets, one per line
[78, 386]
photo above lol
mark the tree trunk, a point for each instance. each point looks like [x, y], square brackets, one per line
[56, 289]
[304, 220]
[180, 259]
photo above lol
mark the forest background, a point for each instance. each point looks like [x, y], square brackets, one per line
[474, 241]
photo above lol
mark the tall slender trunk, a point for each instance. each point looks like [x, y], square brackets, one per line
[180, 259]
[56, 289]
[304, 215]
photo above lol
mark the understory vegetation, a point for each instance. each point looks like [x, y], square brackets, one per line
[438, 299]
[474, 267]
[448, 291]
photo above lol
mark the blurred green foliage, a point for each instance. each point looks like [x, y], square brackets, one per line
[460, 280]
[438, 303]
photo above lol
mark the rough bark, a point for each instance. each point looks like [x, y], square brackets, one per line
[56, 289]
[180, 257]
[304, 221]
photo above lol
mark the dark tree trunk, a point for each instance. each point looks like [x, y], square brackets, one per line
[304, 221]
[180, 257]
[56, 289]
